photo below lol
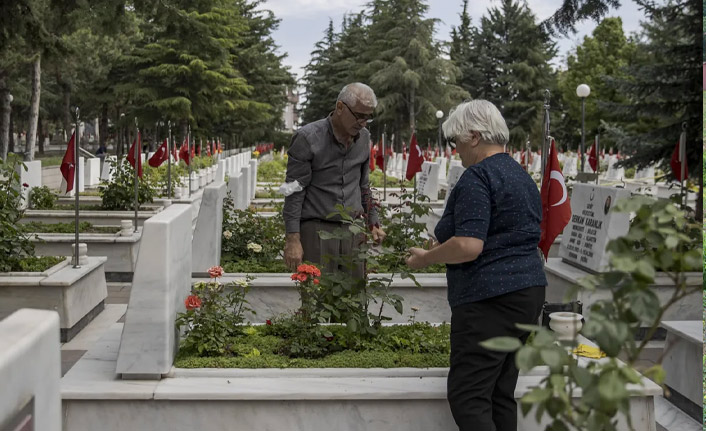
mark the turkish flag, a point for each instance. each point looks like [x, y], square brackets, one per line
[193, 151]
[676, 162]
[415, 158]
[208, 149]
[174, 151]
[404, 152]
[184, 154]
[592, 157]
[371, 163]
[160, 156]
[68, 167]
[380, 158]
[131, 154]
[556, 206]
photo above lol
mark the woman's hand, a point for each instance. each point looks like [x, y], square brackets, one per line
[415, 260]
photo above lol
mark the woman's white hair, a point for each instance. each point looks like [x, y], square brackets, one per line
[480, 116]
[358, 92]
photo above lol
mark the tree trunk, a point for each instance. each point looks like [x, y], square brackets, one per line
[5, 109]
[103, 126]
[34, 108]
[40, 136]
[67, 109]
[11, 146]
[412, 125]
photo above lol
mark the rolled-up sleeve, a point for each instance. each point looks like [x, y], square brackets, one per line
[299, 159]
[369, 204]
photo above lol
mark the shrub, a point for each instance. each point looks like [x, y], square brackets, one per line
[119, 193]
[42, 198]
[272, 171]
[14, 244]
[37, 263]
[158, 177]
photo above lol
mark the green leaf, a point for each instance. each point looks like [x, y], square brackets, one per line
[501, 344]
[611, 386]
[527, 358]
[552, 357]
[537, 395]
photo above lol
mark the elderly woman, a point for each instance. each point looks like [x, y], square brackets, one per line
[487, 237]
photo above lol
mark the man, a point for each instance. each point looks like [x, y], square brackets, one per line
[329, 159]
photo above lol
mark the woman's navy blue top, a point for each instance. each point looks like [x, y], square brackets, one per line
[498, 202]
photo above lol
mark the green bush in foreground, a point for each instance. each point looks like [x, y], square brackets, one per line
[42, 198]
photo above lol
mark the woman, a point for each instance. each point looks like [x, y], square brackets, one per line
[488, 238]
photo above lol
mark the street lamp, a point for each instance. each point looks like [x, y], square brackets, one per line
[439, 116]
[583, 91]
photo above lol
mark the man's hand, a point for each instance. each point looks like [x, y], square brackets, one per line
[378, 234]
[416, 258]
[293, 251]
[430, 244]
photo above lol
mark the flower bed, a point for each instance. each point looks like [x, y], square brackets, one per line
[36, 263]
[83, 227]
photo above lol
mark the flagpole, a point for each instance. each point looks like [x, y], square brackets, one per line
[527, 155]
[76, 170]
[598, 157]
[188, 149]
[138, 162]
[545, 144]
[384, 171]
[169, 160]
[682, 161]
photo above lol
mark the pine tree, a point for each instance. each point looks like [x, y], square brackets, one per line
[513, 57]
[463, 52]
[321, 92]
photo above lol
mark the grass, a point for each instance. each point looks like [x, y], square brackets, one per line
[417, 346]
[83, 227]
[36, 263]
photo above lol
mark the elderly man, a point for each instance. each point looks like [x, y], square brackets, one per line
[329, 159]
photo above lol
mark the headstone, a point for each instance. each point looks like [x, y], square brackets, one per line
[30, 371]
[245, 184]
[428, 180]
[92, 171]
[536, 165]
[107, 173]
[592, 225]
[206, 244]
[442, 167]
[161, 283]
[221, 172]
[613, 173]
[253, 181]
[455, 172]
[453, 163]
[32, 177]
[647, 174]
[570, 169]
[399, 164]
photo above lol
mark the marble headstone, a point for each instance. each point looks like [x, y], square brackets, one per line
[455, 173]
[246, 183]
[221, 172]
[107, 172]
[30, 371]
[570, 167]
[253, 181]
[536, 165]
[92, 171]
[428, 180]
[206, 245]
[161, 283]
[442, 167]
[592, 226]
[32, 177]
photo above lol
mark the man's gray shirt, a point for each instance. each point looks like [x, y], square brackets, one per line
[330, 174]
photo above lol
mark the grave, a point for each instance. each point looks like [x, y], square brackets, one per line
[206, 244]
[428, 180]
[92, 172]
[683, 351]
[32, 177]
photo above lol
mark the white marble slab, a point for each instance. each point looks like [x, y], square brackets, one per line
[107, 171]
[32, 177]
[206, 244]
[161, 282]
[246, 183]
[94, 331]
[253, 179]
[428, 180]
[683, 351]
[222, 170]
[92, 171]
[30, 367]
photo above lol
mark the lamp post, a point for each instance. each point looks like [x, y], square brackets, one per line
[583, 91]
[439, 116]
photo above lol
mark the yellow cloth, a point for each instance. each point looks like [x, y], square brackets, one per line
[589, 352]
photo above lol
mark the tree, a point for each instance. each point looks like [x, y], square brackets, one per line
[513, 56]
[320, 91]
[604, 54]
[464, 53]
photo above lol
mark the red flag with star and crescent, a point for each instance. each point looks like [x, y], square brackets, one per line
[131, 154]
[556, 206]
[160, 156]
[68, 168]
[416, 158]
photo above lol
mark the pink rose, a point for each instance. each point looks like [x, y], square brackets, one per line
[215, 271]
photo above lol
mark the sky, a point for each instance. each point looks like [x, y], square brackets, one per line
[303, 22]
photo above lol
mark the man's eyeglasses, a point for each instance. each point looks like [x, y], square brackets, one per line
[452, 141]
[368, 118]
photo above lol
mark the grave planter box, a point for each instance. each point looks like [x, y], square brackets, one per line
[561, 276]
[313, 399]
[272, 294]
[120, 251]
[97, 218]
[77, 294]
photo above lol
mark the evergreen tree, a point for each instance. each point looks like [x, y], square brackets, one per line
[606, 53]
[513, 57]
[321, 89]
[463, 52]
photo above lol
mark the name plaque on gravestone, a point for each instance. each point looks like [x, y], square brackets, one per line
[592, 226]
[22, 419]
[428, 181]
[455, 173]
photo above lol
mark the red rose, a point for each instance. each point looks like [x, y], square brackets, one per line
[215, 271]
[192, 302]
[294, 277]
[25, 185]
[268, 322]
[301, 277]
[316, 281]
[329, 338]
